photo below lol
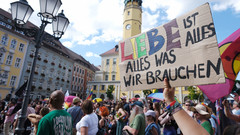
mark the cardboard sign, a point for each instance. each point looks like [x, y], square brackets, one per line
[184, 51]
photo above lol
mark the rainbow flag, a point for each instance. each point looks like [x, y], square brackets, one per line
[90, 95]
[67, 105]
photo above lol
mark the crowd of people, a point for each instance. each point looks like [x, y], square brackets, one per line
[136, 117]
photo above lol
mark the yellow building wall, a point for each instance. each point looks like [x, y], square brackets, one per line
[14, 71]
[118, 71]
[110, 69]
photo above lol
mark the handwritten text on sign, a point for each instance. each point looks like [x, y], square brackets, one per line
[184, 50]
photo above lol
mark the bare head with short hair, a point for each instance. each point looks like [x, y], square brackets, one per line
[87, 107]
[56, 99]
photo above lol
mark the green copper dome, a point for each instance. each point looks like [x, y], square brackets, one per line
[138, 1]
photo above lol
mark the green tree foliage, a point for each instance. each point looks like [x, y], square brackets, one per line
[147, 92]
[195, 94]
[110, 89]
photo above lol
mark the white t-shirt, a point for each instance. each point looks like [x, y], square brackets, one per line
[90, 121]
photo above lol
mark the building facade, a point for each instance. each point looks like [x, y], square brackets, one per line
[13, 47]
[83, 72]
[107, 76]
[54, 67]
[109, 73]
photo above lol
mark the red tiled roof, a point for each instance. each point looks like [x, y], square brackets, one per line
[110, 52]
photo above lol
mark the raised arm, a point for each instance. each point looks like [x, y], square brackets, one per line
[186, 123]
[228, 112]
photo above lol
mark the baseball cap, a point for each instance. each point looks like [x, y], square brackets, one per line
[201, 109]
[76, 100]
[150, 113]
[139, 103]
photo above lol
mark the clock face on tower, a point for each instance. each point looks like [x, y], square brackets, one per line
[128, 26]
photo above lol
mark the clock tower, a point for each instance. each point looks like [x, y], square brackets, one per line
[132, 18]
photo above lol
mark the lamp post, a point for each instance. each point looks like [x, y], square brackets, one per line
[21, 11]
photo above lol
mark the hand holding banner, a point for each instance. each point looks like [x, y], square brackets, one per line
[184, 51]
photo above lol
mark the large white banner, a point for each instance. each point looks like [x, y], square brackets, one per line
[183, 50]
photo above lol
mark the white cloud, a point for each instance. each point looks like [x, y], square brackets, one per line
[149, 21]
[91, 54]
[223, 5]
[68, 44]
[99, 21]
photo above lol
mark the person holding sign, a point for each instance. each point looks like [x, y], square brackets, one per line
[185, 122]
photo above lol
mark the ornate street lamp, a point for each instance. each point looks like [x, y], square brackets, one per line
[21, 11]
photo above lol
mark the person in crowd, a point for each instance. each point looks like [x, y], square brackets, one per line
[144, 101]
[168, 123]
[152, 128]
[136, 119]
[112, 127]
[97, 105]
[2, 116]
[125, 104]
[228, 113]
[88, 125]
[188, 107]
[35, 118]
[121, 117]
[76, 112]
[185, 122]
[9, 119]
[7, 99]
[156, 108]
[236, 97]
[150, 105]
[213, 120]
[38, 107]
[103, 122]
[236, 108]
[27, 123]
[201, 114]
[51, 123]
[232, 130]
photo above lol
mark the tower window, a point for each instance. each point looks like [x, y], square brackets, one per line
[107, 62]
[128, 12]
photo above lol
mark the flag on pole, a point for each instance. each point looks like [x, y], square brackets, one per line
[90, 95]
[67, 94]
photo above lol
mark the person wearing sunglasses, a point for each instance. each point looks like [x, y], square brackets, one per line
[188, 108]
[203, 116]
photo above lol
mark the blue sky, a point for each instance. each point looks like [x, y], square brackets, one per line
[96, 25]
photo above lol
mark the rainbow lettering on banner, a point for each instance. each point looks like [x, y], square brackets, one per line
[183, 50]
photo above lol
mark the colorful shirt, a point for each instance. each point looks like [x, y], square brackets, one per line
[57, 122]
